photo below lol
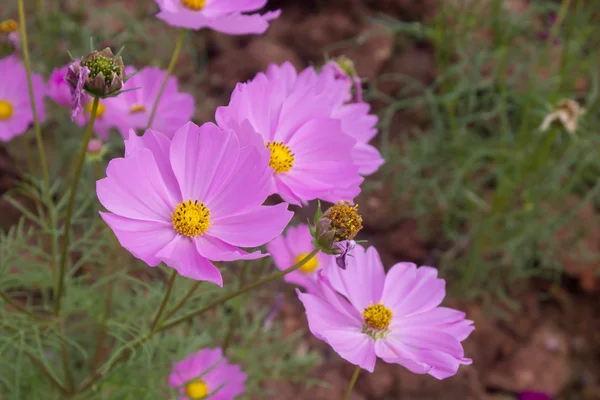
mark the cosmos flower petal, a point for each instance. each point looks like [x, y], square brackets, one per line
[323, 317]
[243, 24]
[367, 157]
[444, 319]
[353, 346]
[217, 250]
[143, 239]
[181, 254]
[265, 223]
[393, 351]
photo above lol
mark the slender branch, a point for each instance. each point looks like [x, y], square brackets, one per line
[170, 68]
[40, 365]
[22, 309]
[352, 383]
[238, 292]
[71, 206]
[64, 350]
[183, 300]
[164, 302]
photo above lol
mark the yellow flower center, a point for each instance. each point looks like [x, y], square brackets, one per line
[195, 5]
[345, 220]
[191, 218]
[377, 318]
[8, 26]
[137, 108]
[99, 111]
[310, 265]
[282, 158]
[6, 110]
[196, 390]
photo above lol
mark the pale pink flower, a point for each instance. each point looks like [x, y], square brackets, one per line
[58, 88]
[207, 374]
[362, 313]
[227, 16]
[191, 200]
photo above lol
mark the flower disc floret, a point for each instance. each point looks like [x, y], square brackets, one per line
[6, 110]
[196, 390]
[195, 5]
[9, 26]
[377, 318]
[282, 158]
[191, 218]
[345, 220]
[100, 64]
[310, 266]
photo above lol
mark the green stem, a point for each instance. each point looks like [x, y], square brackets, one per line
[183, 300]
[352, 382]
[164, 302]
[40, 365]
[174, 57]
[66, 360]
[70, 207]
[21, 309]
[238, 292]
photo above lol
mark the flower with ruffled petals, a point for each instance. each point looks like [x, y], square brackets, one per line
[291, 248]
[309, 152]
[174, 109]
[15, 106]
[191, 200]
[222, 16]
[58, 88]
[362, 313]
[207, 374]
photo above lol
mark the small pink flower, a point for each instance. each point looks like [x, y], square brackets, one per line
[309, 152]
[364, 314]
[292, 247]
[207, 374]
[15, 106]
[174, 109]
[58, 88]
[220, 15]
[190, 200]
[76, 77]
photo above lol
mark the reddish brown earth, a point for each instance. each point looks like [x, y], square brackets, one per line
[551, 343]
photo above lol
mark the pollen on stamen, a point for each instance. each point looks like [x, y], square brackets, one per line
[196, 390]
[282, 158]
[345, 220]
[6, 109]
[191, 218]
[195, 5]
[310, 265]
[377, 319]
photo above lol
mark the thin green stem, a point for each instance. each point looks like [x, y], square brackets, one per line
[238, 292]
[164, 302]
[71, 206]
[183, 300]
[352, 382]
[66, 360]
[40, 365]
[170, 68]
[20, 308]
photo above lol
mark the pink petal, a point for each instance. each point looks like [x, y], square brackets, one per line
[367, 157]
[353, 346]
[253, 228]
[394, 352]
[217, 250]
[143, 239]
[443, 319]
[182, 255]
[325, 317]
[243, 24]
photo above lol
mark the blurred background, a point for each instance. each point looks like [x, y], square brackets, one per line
[509, 212]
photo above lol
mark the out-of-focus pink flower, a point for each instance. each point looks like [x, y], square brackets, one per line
[529, 395]
[15, 106]
[309, 152]
[364, 314]
[174, 109]
[291, 248]
[10, 28]
[207, 374]
[58, 88]
[191, 200]
[107, 116]
[227, 16]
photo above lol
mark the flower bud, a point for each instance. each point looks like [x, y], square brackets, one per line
[95, 150]
[339, 224]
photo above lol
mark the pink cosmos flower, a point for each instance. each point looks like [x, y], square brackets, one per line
[58, 88]
[309, 152]
[364, 314]
[293, 247]
[352, 82]
[191, 200]
[207, 374]
[174, 109]
[220, 15]
[15, 107]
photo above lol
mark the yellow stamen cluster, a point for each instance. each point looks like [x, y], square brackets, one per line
[6, 109]
[137, 108]
[196, 390]
[191, 218]
[282, 158]
[195, 5]
[377, 318]
[345, 220]
[99, 111]
[9, 26]
[310, 265]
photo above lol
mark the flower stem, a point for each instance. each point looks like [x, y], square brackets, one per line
[184, 299]
[170, 68]
[352, 382]
[164, 302]
[22, 309]
[238, 292]
[71, 206]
